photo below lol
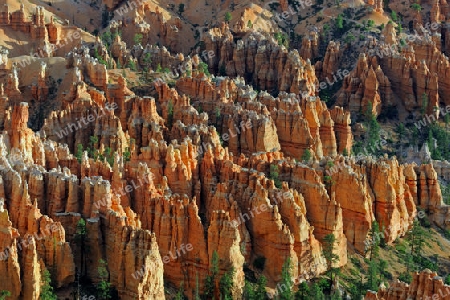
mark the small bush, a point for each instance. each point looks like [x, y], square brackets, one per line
[405, 277]
[447, 280]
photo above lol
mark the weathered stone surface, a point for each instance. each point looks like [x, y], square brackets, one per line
[424, 285]
[203, 161]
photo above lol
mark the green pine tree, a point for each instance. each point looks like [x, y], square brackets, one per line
[373, 130]
[374, 241]
[249, 293]
[372, 276]
[47, 290]
[80, 239]
[4, 294]
[197, 289]
[423, 109]
[394, 16]
[274, 175]
[286, 281]
[180, 293]
[316, 292]
[203, 68]
[345, 152]
[103, 287]
[169, 114]
[210, 280]
[181, 8]
[306, 156]
[92, 152]
[331, 258]
[138, 37]
[79, 153]
[228, 17]
[303, 291]
[226, 285]
[260, 293]
[340, 22]
[416, 238]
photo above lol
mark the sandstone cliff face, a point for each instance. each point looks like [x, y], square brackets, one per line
[49, 236]
[42, 241]
[275, 218]
[259, 60]
[365, 85]
[299, 123]
[136, 249]
[153, 22]
[327, 67]
[399, 74]
[425, 285]
[9, 263]
[310, 45]
[394, 205]
[46, 35]
[18, 21]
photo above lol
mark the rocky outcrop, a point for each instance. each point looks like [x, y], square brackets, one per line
[19, 22]
[202, 164]
[364, 87]
[310, 45]
[11, 88]
[424, 285]
[301, 122]
[95, 71]
[9, 262]
[430, 197]
[40, 89]
[392, 74]
[147, 19]
[129, 250]
[377, 5]
[260, 61]
[3, 58]
[328, 67]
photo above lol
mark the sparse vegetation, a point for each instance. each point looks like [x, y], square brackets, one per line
[210, 281]
[46, 289]
[255, 291]
[424, 104]
[282, 39]
[138, 37]
[274, 175]
[170, 114]
[286, 281]
[228, 17]
[4, 294]
[416, 7]
[103, 287]
[382, 100]
[445, 190]
[306, 156]
[203, 68]
[331, 257]
[373, 130]
[80, 240]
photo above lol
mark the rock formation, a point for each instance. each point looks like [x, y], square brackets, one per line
[250, 164]
[425, 285]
